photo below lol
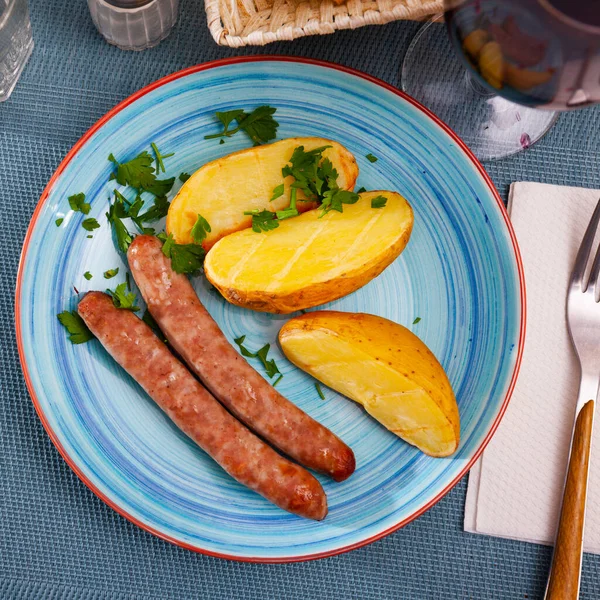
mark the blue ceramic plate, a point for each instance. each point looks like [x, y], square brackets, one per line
[460, 274]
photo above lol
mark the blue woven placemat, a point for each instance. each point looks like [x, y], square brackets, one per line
[57, 539]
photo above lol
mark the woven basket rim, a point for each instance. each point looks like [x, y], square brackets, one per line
[399, 11]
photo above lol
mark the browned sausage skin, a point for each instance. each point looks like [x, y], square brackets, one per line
[192, 408]
[196, 337]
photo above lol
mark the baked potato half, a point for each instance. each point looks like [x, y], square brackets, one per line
[384, 367]
[310, 259]
[222, 190]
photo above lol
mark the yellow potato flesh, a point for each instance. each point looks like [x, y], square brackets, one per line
[310, 259]
[382, 366]
[222, 190]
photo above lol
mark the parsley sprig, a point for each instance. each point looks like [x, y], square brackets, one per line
[185, 258]
[77, 329]
[160, 165]
[259, 125]
[200, 229]
[262, 354]
[122, 298]
[140, 174]
[263, 220]
[317, 178]
[78, 204]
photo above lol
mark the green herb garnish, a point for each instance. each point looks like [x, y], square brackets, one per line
[416, 320]
[88, 275]
[200, 229]
[371, 158]
[183, 177]
[185, 258]
[128, 280]
[361, 190]
[277, 192]
[157, 211]
[160, 165]
[78, 204]
[260, 125]
[90, 224]
[262, 354]
[58, 222]
[319, 390]
[110, 273]
[139, 173]
[262, 220]
[75, 325]
[123, 299]
[117, 211]
[378, 202]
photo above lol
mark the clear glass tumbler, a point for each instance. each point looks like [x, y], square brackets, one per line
[16, 43]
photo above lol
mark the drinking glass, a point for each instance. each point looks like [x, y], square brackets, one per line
[505, 68]
[16, 43]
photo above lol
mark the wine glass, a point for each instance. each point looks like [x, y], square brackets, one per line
[506, 68]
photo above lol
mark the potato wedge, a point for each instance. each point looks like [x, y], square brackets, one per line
[222, 190]
[382, 366]
[310, 260]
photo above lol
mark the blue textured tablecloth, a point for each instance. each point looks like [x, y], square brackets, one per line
[57, 539]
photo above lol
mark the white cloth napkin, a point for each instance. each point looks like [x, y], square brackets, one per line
[515, 489]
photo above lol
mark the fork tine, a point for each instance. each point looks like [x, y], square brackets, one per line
[585, 249]
[593, 281]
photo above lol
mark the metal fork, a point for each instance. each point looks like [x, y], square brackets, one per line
[583, 318]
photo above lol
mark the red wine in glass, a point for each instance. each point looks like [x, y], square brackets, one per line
[516, 61]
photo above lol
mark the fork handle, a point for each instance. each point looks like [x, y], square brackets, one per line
[565, 571]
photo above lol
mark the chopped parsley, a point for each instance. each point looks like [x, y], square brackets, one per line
[88, 275]
[160, 165]
[128, 280]
[78, 204]
[319, 390]
[361, 190]
[90, 224]
[183, 177]
[317, 178]
[116, 212]
[110, 273]
[157, 211]
[185, 258]
[262, 220]
[58, 222]
[200, 229]
[371, 158]
[378, 202]
[76, 327]
[140, 174]
[123, 299]
[416, 320]
[277, 192]
[269, 364]
[259, 125]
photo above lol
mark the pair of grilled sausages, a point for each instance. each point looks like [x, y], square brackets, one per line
[197, 339]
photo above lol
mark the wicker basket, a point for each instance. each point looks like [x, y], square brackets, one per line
[238, 23]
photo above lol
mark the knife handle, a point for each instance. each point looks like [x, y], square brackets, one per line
[565, 572]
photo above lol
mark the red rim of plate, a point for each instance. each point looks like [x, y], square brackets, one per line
[204, 67]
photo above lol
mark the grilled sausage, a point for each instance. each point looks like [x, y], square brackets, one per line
[192, 408]
[196, 337]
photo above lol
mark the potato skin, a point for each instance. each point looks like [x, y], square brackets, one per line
[223, 189]
[384, 343]
[320, 292]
